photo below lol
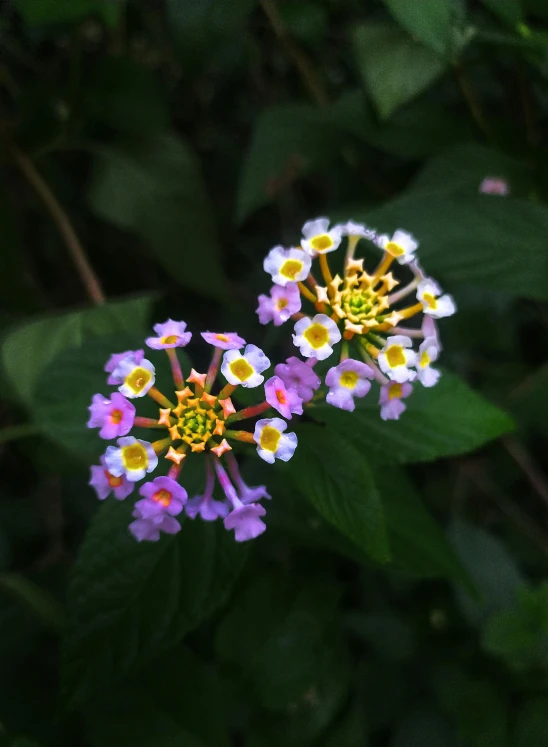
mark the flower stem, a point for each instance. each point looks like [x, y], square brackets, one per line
[227, 391]
[384, 265]
[306, 293]
[407, 332]
[244, 436]
[403, 292]
[248, 412]
[161, 445]
[147, 423]
[175, 368]
[324, 267]
[158, 397]
[411, 311]
[213, 369]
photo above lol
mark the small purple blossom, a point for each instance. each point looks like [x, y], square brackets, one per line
[113, 416]
[348, 380]
[493, 185]
[246, 521]
[283, 302]
[115, 359]
[246, 493]
[104, 483]
[224, 340]
[161, 496]
[149, 530]
[285, 401]
[171, 334]
[205, 505]
[299, 377]
[390, 400]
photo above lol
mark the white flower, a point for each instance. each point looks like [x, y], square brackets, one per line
[438, 306]
[287, 265]
[137, 378]
[318, 239]
[359, 230]
[315, 337]
[401, 246]
[245, 368]
[132, 458]
[272, 442]
[394, 359]
[428, 352]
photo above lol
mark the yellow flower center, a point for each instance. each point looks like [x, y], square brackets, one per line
[291, 268]
[395, 391]
[349, 379]
[138, 379]
[282, 303]
[163, 497]
[171, 340]
[322, 242]
[134, 457]
[395, 356]
[269, 438]
[116, 416]
[430, 300]
[114, 482]
[241, 369]
[222, 338]
[424, 360]
[394, 249]
[317, 335]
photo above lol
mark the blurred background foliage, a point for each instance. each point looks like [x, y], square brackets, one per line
[151, 152]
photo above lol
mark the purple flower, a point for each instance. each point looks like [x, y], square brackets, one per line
[282, 303]
[161, 496]
[113, 416]
[115, 359]
[390, 400]
[148, 529]
[208, 508]
[170, 335]
[224, 340]
[348, 380]
[104, 483]
[493, 185]
[285, 401]
[299, 377]
[246, 493]
[246, 522]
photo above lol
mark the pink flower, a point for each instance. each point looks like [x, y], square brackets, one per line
[285, 401]
[115, 359]
[282, 303]
[149, 530]
[170, 335]
[246, 521]
[104, 483]
[391, 400]
[299, 377]
[161, 496]
[113, 416]
[493, 185]
[224, 340]
[205, 505]
[348, 380]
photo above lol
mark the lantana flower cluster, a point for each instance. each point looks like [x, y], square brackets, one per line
[383, 324]
[194, 422]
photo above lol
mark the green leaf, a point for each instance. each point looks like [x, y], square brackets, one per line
[332, 474]
[28, 349]
[37, 12]
[155, 189]
[288, 142]
[428, 21]
[424, 727]
[34, 597]
[129, 602]
[394, 68]
[445, 420]
[492, 570]
[509, 11]
[532, 724]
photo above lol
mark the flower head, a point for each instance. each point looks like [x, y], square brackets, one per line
[161, 496]
[428, 352]
[283, 302]
[402, 246]
[272, 442]
[348, 380]
[285, 401]
[287, 265]
[224, 340]
[113, 416]
[318, 238]
[104, 483]
[133, 458]
[299, 377]
[170, 335]
[435, 304]
[390, 399]
[396, 358]
[115, 359]
[245, 368]
[136, 378]
[315, 337]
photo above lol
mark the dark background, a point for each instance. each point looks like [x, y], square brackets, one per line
[151, 153]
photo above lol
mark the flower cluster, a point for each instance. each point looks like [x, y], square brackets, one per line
[194, 421]
[362, 311]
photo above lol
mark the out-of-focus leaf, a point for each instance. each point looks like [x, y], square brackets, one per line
[288, 142]
[335, 477]
[176, 702]
[424, 727]
[305, 20]
[37, 12]
[394, 68]
[509, 11]
[444, 420]
[349, 731]
[428, 21]
[385, 632]
[129, 602]
[492, 570]
[28, 349]
[35, 598]
[155, 189]
[532, 724]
